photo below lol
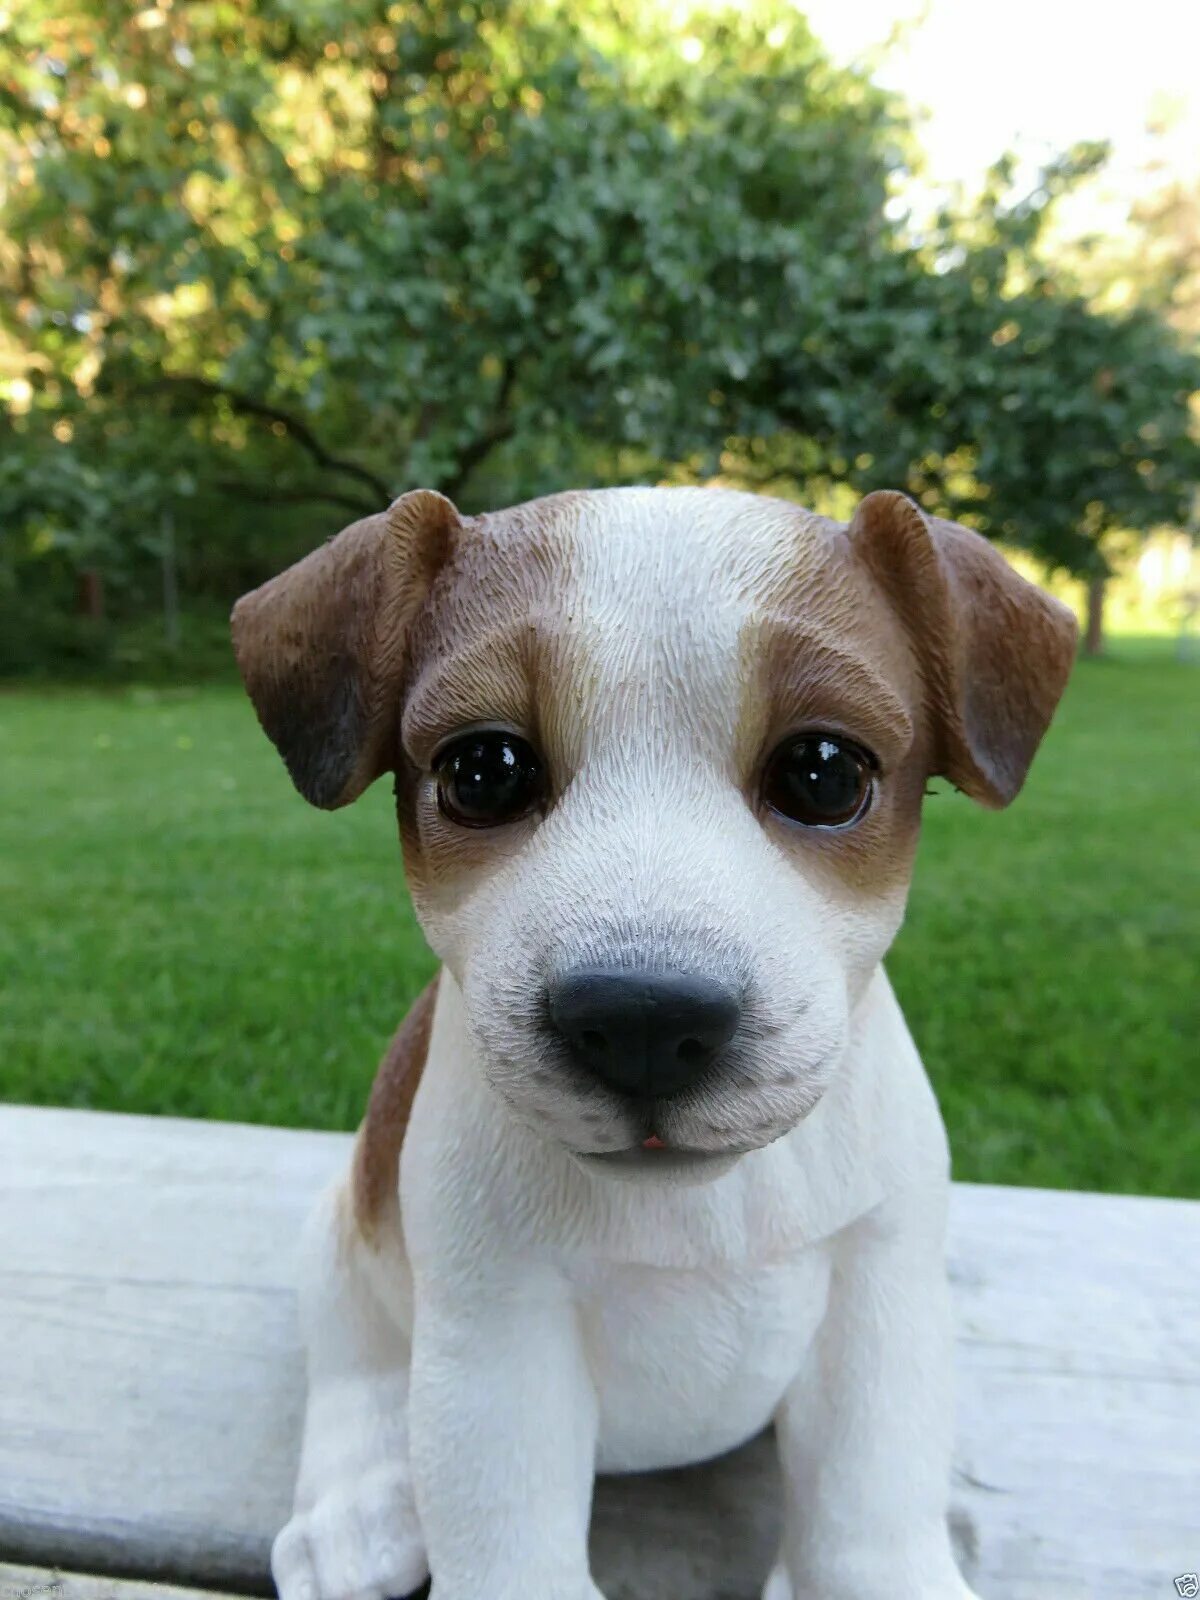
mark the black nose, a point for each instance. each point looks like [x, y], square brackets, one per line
[643, 1033]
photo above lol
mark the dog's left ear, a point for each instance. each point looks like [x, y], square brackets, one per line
[995, 650]
[322, 647]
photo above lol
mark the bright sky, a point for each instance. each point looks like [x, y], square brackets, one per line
[1035, 76]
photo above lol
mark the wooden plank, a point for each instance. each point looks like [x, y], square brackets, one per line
[150, 1383]
[46, 1583]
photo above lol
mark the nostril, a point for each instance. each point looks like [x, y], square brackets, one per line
[692, 1052]
[593, 1041]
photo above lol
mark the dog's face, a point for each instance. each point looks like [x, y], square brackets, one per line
[659, 758]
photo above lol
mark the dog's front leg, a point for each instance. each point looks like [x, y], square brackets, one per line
[502, 1414]
[865, 1431]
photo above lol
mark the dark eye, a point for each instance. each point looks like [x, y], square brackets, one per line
[819, 780]
[484, 779]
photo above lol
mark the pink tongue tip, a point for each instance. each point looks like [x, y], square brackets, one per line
[653, 1143]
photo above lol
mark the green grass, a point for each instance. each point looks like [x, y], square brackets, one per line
[182, 934]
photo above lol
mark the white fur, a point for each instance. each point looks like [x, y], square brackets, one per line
[542, 1319]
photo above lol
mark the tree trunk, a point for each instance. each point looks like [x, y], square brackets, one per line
[1093, 639]
[170, 584]
[89, 595]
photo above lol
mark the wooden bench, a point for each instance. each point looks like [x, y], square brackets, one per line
[151, 1380]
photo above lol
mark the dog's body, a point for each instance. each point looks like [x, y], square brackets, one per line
[660, 1164]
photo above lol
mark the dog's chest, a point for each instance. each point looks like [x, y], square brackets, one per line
[690, 1362]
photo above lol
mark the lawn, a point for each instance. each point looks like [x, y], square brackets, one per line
[182, 934]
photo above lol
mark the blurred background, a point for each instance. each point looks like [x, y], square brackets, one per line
[266, 263]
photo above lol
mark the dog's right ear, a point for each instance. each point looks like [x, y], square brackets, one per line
[321, 648]
[995, 650]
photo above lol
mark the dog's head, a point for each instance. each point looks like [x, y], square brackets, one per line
[659, 760]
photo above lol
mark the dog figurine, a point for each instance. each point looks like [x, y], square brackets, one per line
[653, 1162]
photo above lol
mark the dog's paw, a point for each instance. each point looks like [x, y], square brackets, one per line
[778, 1585]
[362, 1542]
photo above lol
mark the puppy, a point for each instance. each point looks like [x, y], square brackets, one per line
[654, 1162]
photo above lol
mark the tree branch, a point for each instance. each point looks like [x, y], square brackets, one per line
[268, 494]
[501, 428]
[293, 425]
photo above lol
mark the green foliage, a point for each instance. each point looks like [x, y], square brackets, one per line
[1073, 424]
[440, 231]
[184, 935]
[1077, 421]
[267, 262]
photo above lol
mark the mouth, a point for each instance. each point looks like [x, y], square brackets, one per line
[652, 1158]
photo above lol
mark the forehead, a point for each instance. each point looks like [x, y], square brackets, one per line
[656, 553]
[679, 607]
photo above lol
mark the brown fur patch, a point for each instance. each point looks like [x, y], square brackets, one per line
[916, 637]
[489, 646]
[825, 650]
[375, 1171]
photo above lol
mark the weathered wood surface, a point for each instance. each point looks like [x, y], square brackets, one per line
[150, 1379]
[46, 1583]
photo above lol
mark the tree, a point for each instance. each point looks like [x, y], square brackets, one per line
[1001, 395]
[267, 263]
[1152, 265]
[346, 251]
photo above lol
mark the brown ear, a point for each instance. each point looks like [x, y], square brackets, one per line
[321, 647]
[996, 651]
